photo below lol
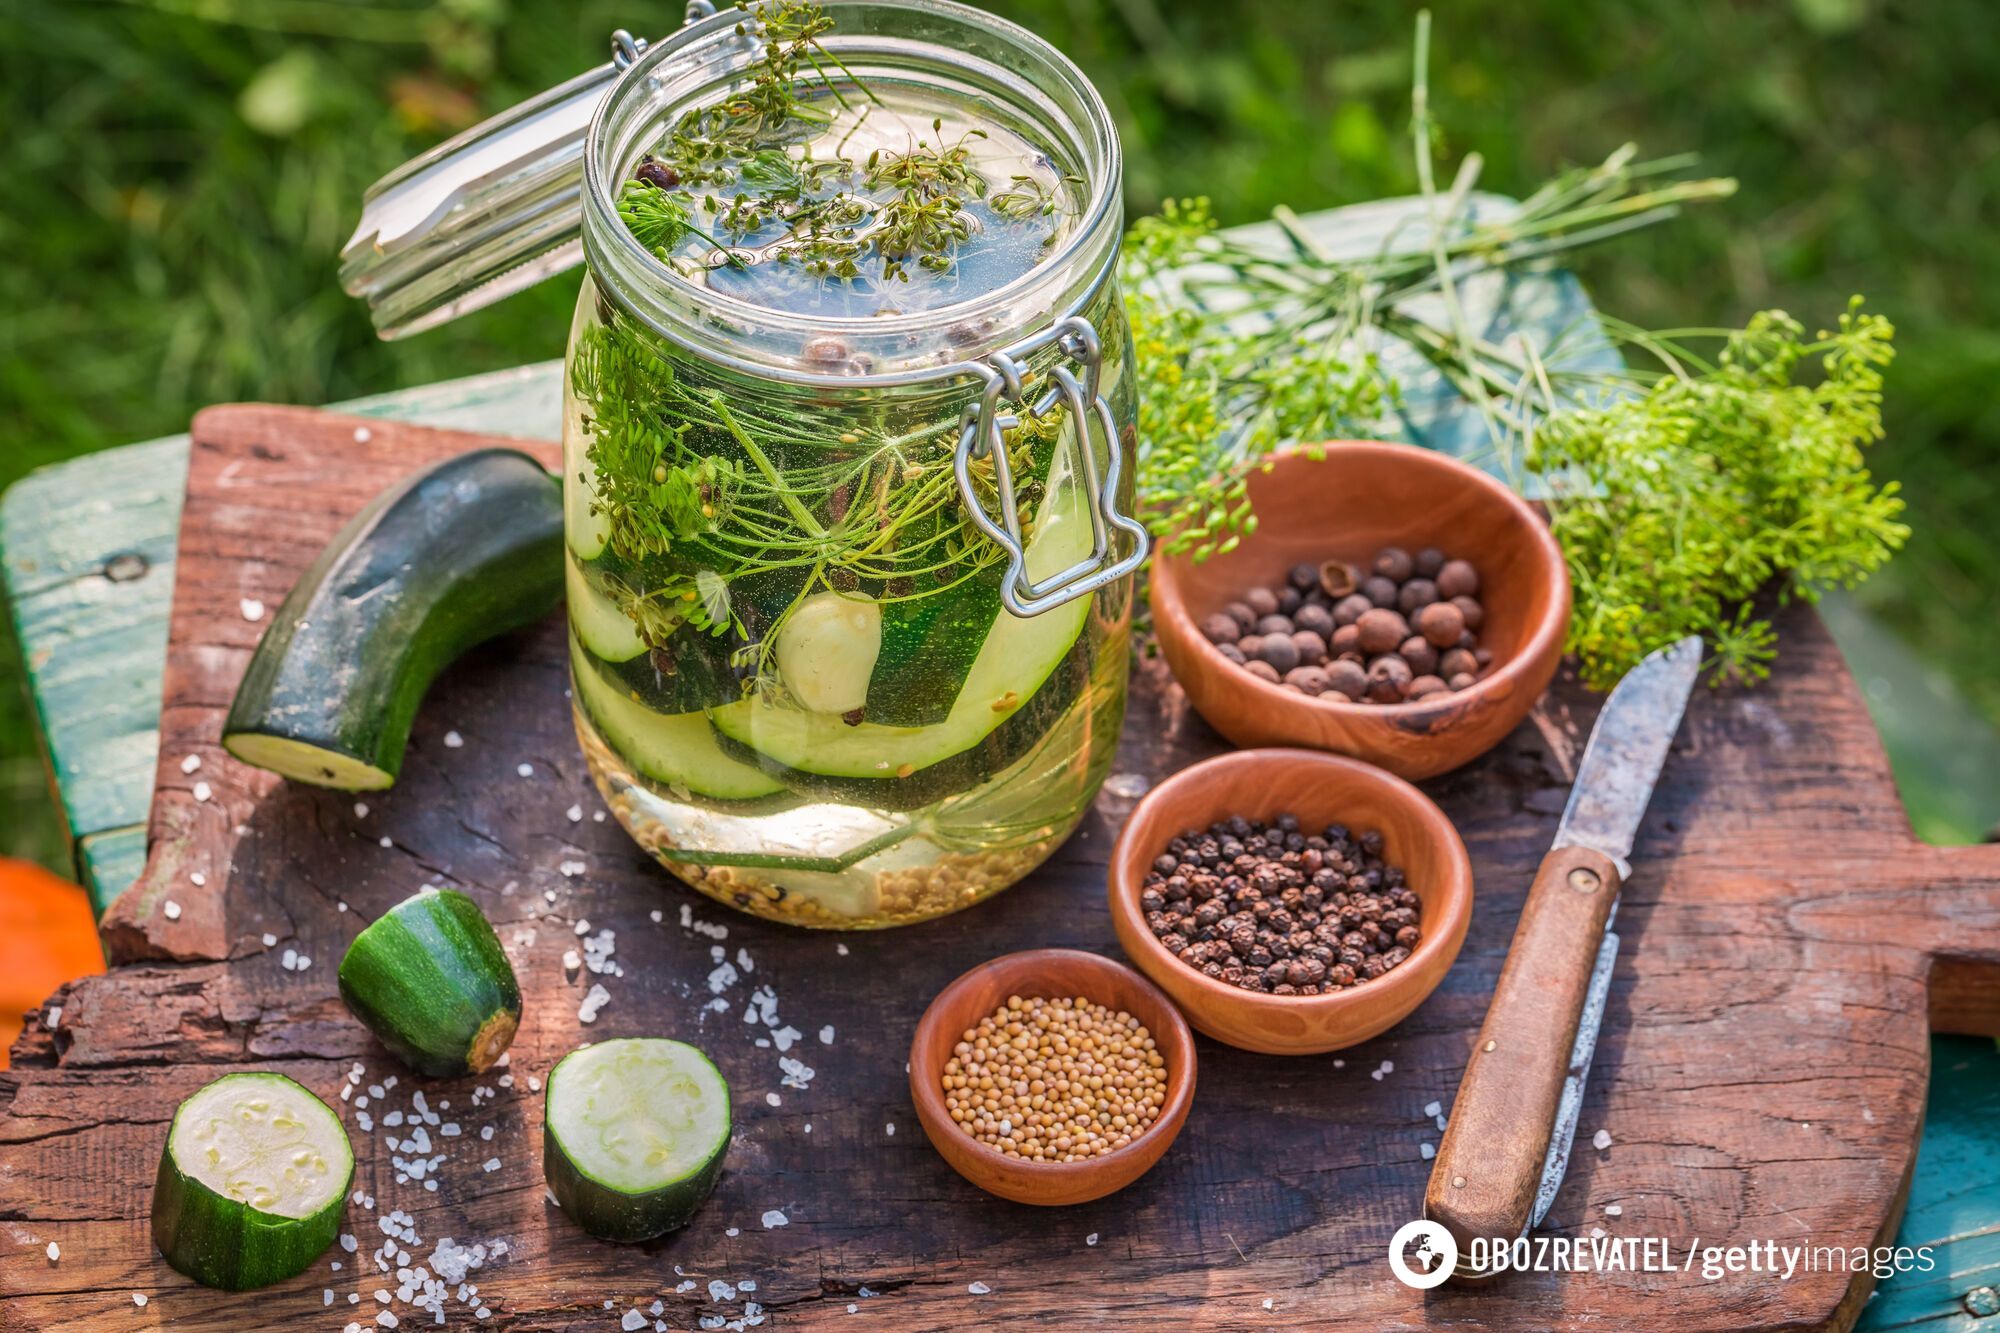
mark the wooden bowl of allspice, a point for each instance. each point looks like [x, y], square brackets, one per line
[1393, 604]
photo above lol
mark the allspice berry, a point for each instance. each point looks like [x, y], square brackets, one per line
[1241, 613]
[1304, 577]
[1280, 652]
[1381, 631]
[1252, 645]
[1424, 685]
[1309, 680]
[1232, 652]
[1393, 562]
[1316, 618]
[1351, 608]
[1457, 579]
[1416, 595]
[1312, 648]
[1346, 677]
[1220, 628]
[1460, 682]
[1346, 641]
[1388, 677]
[1262, 600]
[1262, 670]
[1441, 623]
[1429, 561]
[1474, 613]
[1457, 662]
[1378, 590]
[1420, 654]
[1274, 624]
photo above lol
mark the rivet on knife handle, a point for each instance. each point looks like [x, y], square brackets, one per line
[1490, 1163]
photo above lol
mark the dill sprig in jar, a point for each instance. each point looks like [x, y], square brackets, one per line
[848, 421]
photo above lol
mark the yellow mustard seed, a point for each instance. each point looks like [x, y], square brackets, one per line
[1055, 1080]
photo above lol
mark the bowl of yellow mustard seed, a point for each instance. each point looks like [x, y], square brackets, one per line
[1052, 1076]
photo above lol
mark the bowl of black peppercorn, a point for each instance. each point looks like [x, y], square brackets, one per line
[1392, 604]
[1290, 901]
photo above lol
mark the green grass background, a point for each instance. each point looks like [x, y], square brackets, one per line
[181, 173]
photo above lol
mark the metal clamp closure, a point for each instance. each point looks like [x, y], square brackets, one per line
[982, 435]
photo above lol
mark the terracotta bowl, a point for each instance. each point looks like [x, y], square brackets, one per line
[1347, 505]
[1320, 789]
[1048, 973]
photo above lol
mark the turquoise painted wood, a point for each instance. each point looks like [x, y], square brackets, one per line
[87, 550]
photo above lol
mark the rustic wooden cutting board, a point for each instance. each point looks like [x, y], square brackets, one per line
[1761, 1072]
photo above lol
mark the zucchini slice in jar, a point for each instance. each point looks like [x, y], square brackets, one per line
[438, 563]
[633, 1135]
[678, 749]
[604, 628]
[252, 1182]
[430, 980]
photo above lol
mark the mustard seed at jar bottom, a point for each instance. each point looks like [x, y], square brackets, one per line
[1059, 1080]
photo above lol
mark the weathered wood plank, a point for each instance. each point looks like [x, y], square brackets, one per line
[89, 571]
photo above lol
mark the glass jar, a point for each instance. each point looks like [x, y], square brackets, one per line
[850, 581]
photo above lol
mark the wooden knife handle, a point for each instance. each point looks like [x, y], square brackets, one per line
[1490, 1162]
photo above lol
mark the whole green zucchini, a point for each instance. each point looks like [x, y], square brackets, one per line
[438, 563]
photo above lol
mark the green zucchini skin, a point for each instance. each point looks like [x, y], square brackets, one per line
[613, 1214]
[228, 1245]
[442, 561]
[430, 980]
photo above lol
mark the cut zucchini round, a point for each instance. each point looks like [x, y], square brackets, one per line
[430, 980]
[678, 749]
[633, 1135]
[604, 629]
[827, 648]
[252, 1182]
[442, 561]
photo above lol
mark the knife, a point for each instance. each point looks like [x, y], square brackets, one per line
[1507, 1142]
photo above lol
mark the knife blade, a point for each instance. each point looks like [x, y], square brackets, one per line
[1507, 1142]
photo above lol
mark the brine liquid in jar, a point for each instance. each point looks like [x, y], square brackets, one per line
[794, 678]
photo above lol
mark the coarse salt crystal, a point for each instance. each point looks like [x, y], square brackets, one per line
[1427, 1151]
[386, 841]
[592, 1003]
[978, 1288]
[575, 814]
[269, 939]
[1267, 1302]
[53, 1016]
[1091, 1239]
[452, 740]
[171, 910]
[1434, 1108]
[657, 915]
[196, 878]
[191, 763]
[632, 1320]
[890, 1129]
[1614, 1210]
[138, 1298]
[1601, 1140]
[773, 1099]
[571, 869]
[732, 1232]
[775, 1218]
[525, 770]
[840, 949]
[720, 1291]
[55, 1252]
[202, 791]
[362, 434]
[253, 610]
